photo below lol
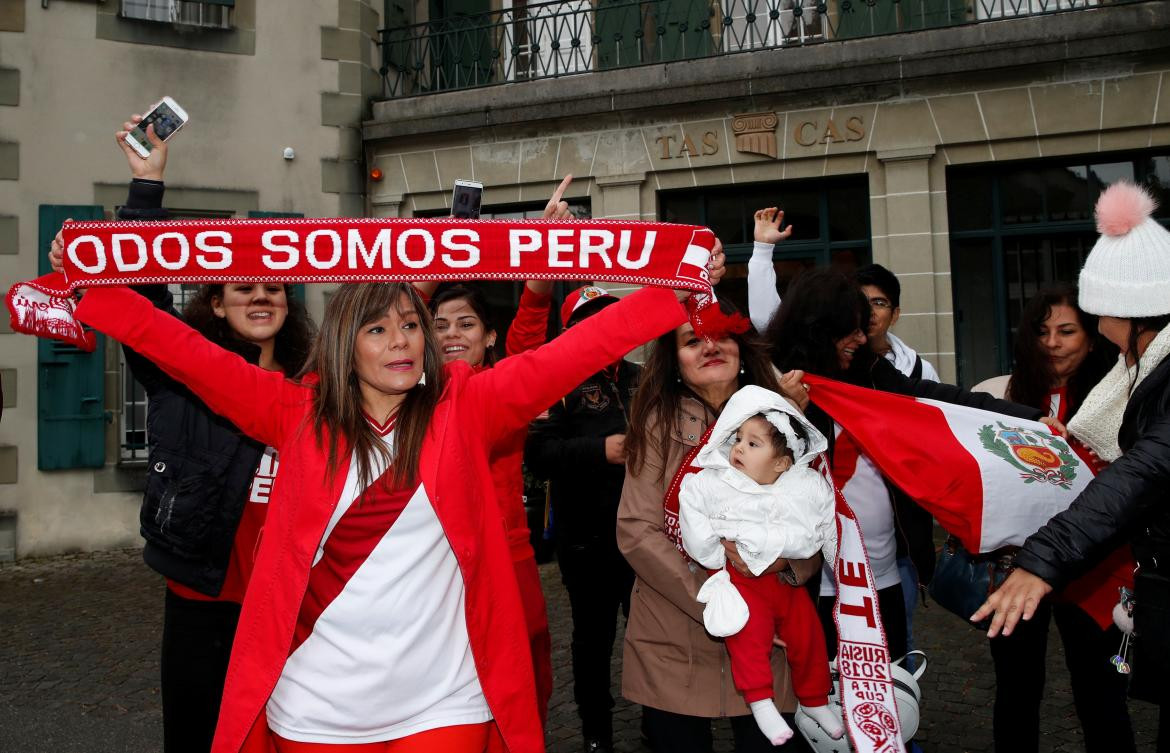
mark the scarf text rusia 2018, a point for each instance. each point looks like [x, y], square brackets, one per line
[360, 250]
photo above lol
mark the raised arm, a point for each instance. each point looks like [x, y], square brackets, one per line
[248, 396]
[763, 297]
[884, 376]
[530, 327]
[517, 389]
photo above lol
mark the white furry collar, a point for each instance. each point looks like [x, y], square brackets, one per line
[1098, 420]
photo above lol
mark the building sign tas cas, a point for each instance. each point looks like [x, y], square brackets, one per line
[755, 133]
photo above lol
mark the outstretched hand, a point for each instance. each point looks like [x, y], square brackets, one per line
[768, 223]
[155, 164]
[1016, 599]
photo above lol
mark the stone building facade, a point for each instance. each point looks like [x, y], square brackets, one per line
[879, 148]
[255, 77]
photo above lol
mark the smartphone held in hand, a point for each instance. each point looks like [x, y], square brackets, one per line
[466, 199]
[166, 116]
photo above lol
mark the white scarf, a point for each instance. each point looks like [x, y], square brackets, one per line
[904, 356]
[1098, 420]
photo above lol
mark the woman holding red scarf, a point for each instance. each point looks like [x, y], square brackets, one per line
[383, 564]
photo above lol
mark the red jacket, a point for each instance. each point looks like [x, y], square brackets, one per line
[474, 413]
[529, 330]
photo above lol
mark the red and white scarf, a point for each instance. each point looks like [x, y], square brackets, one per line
[364, 250]
[863, 655]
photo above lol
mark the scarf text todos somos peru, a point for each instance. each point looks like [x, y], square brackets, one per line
[363, 250]
[990, 480]
[863, 655]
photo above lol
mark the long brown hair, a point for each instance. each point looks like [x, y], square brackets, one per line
[337, 401]
[1032, 375]
[661, 390]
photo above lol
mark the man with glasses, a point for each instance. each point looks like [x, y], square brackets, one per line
[884, 292]
[915, 526]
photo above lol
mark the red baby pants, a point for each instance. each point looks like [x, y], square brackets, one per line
[776, 608]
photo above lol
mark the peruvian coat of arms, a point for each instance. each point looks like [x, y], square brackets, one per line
[1040, 457]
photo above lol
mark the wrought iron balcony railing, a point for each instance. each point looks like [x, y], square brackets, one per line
[524, 42]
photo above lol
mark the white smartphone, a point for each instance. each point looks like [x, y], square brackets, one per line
[466, 199]
[167, 118]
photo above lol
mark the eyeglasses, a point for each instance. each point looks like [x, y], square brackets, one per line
[881, 303]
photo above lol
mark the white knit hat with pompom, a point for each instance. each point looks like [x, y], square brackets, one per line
[1127, 273]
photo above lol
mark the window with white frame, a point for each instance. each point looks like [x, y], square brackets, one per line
[211, 15]
[769, 23]
[133, 429]
[988, 9]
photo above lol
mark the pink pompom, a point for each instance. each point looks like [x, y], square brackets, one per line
[1122, 207]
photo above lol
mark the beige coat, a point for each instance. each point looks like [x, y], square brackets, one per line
[670, 662]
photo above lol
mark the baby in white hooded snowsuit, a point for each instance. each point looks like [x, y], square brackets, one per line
[757, 490]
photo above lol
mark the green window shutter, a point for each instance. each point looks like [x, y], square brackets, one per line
[71, 417]
[860, 19]
[296, 291]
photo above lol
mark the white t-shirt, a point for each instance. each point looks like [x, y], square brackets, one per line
[381, 649]
[869, 498]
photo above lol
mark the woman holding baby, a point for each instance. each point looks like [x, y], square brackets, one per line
[672, 666]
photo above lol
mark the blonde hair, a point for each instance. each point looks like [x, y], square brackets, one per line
[337, 402]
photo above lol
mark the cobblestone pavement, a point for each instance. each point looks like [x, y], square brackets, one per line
[79, 668]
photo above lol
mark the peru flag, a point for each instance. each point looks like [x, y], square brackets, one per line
[990, 480]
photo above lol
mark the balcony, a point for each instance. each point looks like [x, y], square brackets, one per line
[527, 42]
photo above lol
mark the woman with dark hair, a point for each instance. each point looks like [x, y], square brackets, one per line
[1125, 420]
[466, 333]
[208, 484]
[1059, 358]
[820, 329]
[384, 606]
[671, 666]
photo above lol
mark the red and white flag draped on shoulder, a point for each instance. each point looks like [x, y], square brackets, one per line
[990, 480]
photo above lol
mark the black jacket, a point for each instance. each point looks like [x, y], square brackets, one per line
[568, 448]
[1128, 501]
[200, 465]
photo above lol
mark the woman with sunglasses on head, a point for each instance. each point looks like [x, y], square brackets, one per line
[207, 483]
[672, 666]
